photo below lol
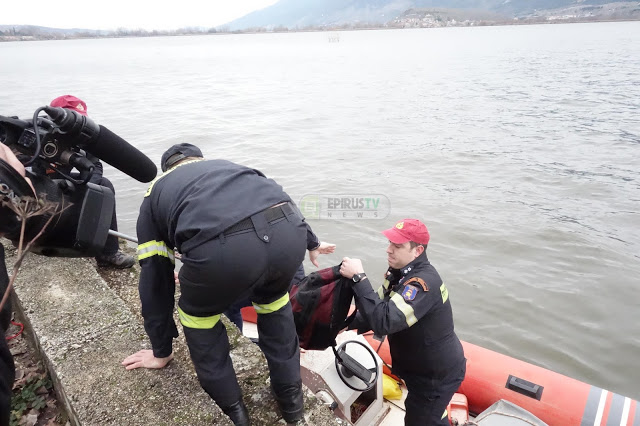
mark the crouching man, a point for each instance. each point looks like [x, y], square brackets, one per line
[240, 237]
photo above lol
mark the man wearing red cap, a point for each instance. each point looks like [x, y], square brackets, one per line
[70, 102]
[111, 254]
[413, 308]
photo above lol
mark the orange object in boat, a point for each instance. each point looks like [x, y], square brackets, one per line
[249, 314]
[458, 409]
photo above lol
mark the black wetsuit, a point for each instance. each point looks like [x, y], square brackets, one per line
[235, 244]
[413, 308]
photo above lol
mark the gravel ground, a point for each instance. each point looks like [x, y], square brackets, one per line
[30, 372]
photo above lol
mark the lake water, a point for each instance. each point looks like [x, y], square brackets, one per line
[518, 146]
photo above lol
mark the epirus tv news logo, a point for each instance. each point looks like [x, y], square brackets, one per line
[345, 206]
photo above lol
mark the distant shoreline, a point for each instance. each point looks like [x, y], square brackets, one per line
[31, 33]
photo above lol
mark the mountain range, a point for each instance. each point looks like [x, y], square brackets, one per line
[336, 14]
[323, 13]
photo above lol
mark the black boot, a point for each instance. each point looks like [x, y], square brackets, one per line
[290, 401]
[238, 414]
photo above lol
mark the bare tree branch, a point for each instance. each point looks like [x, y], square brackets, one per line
[25, 208]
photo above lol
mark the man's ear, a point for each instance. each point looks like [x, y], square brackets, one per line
[419, 250]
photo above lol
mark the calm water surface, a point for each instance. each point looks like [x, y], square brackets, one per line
[518, 146]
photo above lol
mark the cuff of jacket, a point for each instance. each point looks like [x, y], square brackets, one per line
[313, 245]
[363, 287]
[164, 350]
[313, 242]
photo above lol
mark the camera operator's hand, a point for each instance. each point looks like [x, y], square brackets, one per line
[9, 157]
[145, 359]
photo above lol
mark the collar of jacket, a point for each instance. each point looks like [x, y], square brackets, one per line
[184, 163]
[417, 263]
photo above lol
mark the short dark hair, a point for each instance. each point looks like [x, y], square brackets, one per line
[413, 244]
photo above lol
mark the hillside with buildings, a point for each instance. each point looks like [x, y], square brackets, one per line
[332, 15]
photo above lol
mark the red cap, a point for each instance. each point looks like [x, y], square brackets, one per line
[408, 230]
[70, 102]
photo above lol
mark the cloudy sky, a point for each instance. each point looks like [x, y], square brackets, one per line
[131, 14]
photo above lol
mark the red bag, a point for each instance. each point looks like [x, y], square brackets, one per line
[321, 303]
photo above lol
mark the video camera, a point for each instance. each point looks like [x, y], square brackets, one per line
[49, 148]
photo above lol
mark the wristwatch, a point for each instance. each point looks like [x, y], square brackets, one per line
[357, 277]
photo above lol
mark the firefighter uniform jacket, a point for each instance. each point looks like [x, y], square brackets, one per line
[183, 208]
[413, 308]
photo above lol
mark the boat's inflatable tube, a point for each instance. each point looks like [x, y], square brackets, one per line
[553, 398]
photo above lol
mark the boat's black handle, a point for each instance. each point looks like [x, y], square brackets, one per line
[524, 387]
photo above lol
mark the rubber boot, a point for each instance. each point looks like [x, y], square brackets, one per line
[290, 401]
[238, 414]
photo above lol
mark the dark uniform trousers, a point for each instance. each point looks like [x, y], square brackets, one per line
[428, 398]
[257, 263]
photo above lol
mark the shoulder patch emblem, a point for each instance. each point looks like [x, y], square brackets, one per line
[418, 281]
[409, 292]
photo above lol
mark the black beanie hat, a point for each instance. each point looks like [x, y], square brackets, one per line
[178, 152]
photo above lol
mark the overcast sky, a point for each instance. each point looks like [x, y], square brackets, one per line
[131, 14]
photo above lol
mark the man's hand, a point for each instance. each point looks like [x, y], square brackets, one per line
[323, 248]
[350, 267]
[9, 157]
[145, 359]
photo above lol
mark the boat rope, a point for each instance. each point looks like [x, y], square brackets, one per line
[379, 346]
[19, 324]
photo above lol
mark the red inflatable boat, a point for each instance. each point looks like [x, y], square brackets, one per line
[553, 398]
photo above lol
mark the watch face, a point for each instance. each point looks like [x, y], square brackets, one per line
[356, 278]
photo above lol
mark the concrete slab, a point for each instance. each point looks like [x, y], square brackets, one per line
[86, 323]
